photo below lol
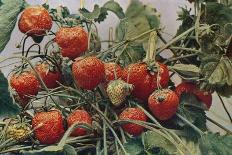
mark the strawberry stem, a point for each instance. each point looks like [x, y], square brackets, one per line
[224, 106]
[190, 124]
[219, 125]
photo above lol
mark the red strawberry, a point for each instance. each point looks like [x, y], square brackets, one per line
[79, 116]
[50, 78]
[88, 72]
[35, 20]
[163, 104]
[73, 41]
[25, 84]
[48, 126]
[144, 82]
[133, 114]
[110, 70]
[188, 87]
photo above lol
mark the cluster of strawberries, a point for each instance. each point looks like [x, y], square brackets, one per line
[88, 73]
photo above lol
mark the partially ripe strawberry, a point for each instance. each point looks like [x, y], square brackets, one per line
[163, 104]
[49, 77]
[143, 80]
[73, 41]
[112, 69]
[48, 126]
[133, 114]
[25, 84]
[88, 72]
[118, 90]
[79, 116]
[188, 87]
[35, 20]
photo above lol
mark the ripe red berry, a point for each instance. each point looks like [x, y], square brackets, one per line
[110, 70]
[188, 87]
[163, 104]
[133, 114]
[35, 20]
[48, 126]
[50, 78]
[144, 82]
[79, 116]
[26, 85]
[73, 41]
[88, 72]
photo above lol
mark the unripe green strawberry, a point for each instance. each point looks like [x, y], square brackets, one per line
[18, 131]
[118, 90]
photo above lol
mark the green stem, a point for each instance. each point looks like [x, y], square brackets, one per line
[180, 57]
[190, 124]
[177, 38]
[185, 49]
[219, 125]
[104, 134]
[170, 133]
[224, 106]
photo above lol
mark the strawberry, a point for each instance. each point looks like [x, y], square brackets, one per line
[34, 21]
[188, 87]
[118, 90]
[79, 116]
[143, 80]
[88, 72]
[110, 70]
[25, 84]
[48, 126]
[133, 114]
[163, 104]
[73, 41]
[50, 78]
[18, 131]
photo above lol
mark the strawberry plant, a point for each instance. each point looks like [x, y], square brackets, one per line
[73, 95]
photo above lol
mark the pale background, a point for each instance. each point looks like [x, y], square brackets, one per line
[168, 10]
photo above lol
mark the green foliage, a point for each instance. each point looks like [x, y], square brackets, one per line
[152, 139]
[150, 143]
[193, 110]
[9, 10]
[8, 108]
[62, 16]
[134, 146]
[53, 150]
[214, 144]
[217, 70]
[139, 19]
[186, 70]
[99, 13]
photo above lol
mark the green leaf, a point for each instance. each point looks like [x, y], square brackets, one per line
[91, 15]
[152, 139]
[8, 108]
[139, 18]
[214, 144]
[131, 54]
[193, 147]
[217, 71]
[9, 11]
[134, 146]
[188, 70]
[115, 8]
[219, 14]
[99, 13]
[193, 110]
[69, 150]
